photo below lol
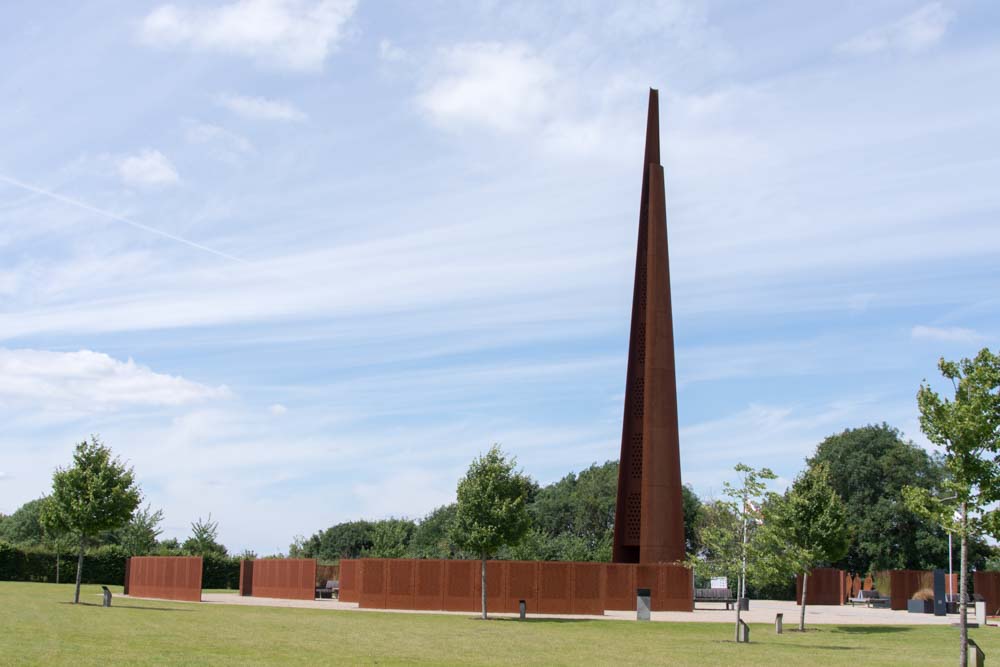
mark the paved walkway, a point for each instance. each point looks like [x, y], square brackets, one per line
[761, 611]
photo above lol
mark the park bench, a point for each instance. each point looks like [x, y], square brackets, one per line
[331, 590]
[723, 595]
[871, 599]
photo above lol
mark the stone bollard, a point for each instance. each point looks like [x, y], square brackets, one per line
[981, 613]
[642, 604]
[978, 657]
[523, 608]
[744, 635]
[107, 596]
[777, 623]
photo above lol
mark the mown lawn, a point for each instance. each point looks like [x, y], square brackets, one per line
[38, 625]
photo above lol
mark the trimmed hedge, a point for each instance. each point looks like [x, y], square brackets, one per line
[103, 565]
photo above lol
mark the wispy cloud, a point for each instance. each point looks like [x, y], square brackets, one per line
[498, 85]
[147, 168]
[914, 32]
[88, 380]
[261, 108]
[288, 34]
[390, 52]
[946, 334]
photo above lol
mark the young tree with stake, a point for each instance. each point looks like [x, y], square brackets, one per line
[492, 508]
[97, 493]
[967, 428]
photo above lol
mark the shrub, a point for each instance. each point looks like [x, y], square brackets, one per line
[924, 594]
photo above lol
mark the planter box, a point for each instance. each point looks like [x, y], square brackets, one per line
[920, 606]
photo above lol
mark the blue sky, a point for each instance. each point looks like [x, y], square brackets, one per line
[299, 262]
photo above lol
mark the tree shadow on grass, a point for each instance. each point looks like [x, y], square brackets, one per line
[871, 629]
[128, 606]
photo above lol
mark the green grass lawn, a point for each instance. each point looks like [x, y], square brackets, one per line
[38, 625]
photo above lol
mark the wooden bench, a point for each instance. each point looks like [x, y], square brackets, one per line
[871, 599]
[723, 595]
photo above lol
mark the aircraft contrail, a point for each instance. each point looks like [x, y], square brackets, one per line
[108, 214]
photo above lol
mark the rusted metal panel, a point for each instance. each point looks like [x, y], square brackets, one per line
[587, 597]
[675, 588]
[496, 584]
[619, 586]
[349, 584]
[372, 575]
[428, 585]
[649, 519]
[555, 588]
[165, 577]
[246, 577]
[284, 578]
[460, 580]
[825, 587]
[522, 584]
[399, 584]
[986, 584]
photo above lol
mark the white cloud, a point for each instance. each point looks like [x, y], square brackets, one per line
[87, 381]
[946, 334]
[915, 32]
[289, 34]
[218, 141]
[261, 108]
[277, 409]
[149, 167]
[389, 52]
[503, 86]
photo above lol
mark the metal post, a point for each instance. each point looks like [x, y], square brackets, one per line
[777, 623]
[951, 586]
[523, 607]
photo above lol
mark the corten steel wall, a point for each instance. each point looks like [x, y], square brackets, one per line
[166, 577]
[246, 577]
[987, 584]
[649, 521]
[349, 588]
[285, 578]
[826, 586]
[547, 587]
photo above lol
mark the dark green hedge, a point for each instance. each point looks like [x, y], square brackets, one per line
[103, 565]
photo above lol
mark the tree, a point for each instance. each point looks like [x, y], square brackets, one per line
[869, 466]
[492, 508]
[803, 529]
[967, 427]
[432, 537]
[138, 536]
[97, 493]
[204, 538]
[24, 527]
[390, 538]
[728, 530]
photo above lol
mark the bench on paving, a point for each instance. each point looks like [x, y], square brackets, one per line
[723, 595]
[872, 599]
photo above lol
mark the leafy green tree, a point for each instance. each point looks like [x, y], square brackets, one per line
[492, 507]
[138, 536]
[967, 427]
[343, 540]
[97, 493]
[24, 527]
[204, 538]
[803, 529]
[390, 538]
[729, 535]
[432, 537]
[869, 466]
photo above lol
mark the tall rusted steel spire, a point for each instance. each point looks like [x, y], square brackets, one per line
[649, 521]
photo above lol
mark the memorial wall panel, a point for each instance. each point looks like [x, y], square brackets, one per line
[165, 577]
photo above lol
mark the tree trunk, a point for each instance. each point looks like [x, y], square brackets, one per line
[963, 591]
[802, 614]
[737, 620]
[79, 571]
[483, 573]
